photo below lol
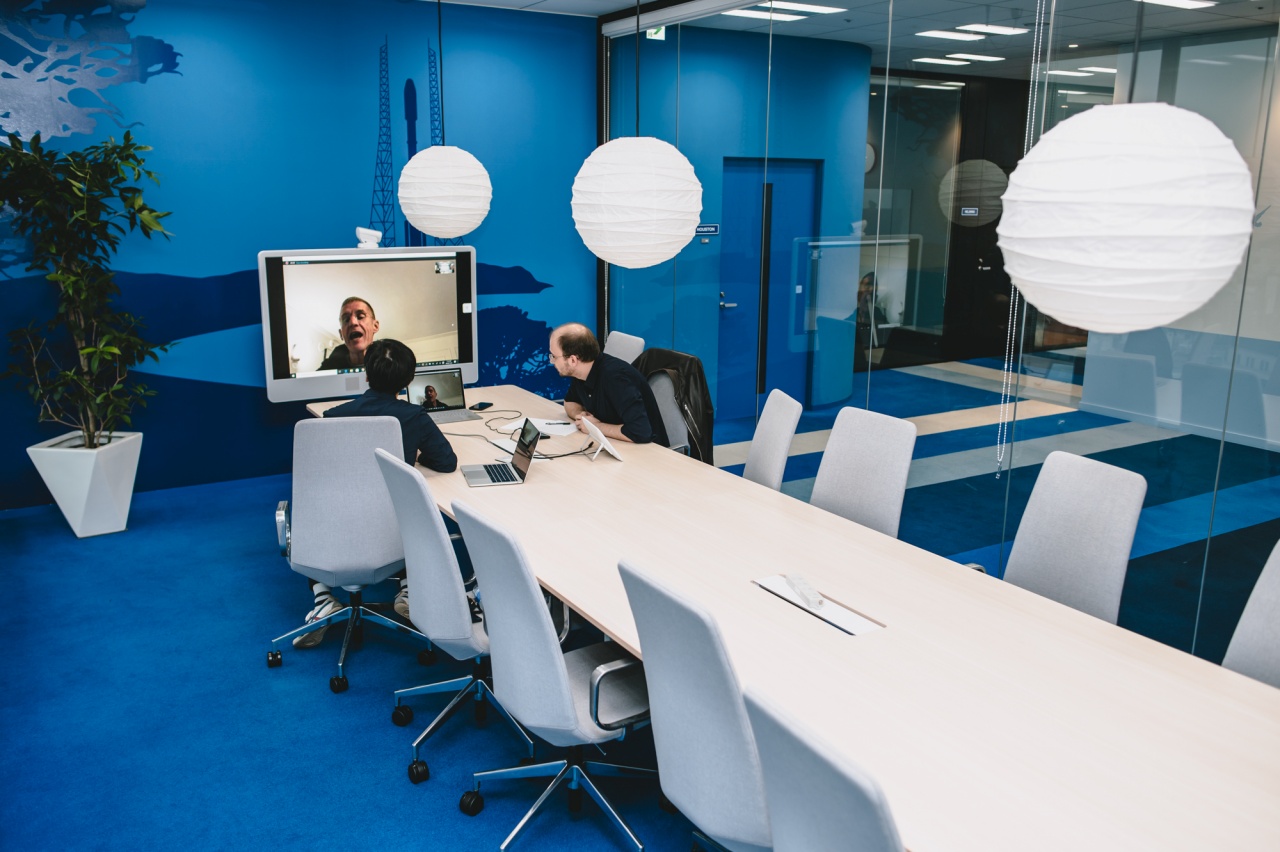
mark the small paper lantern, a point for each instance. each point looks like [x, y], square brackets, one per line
[636, 202]
[969, 194]
[444, 191]
[1126, 217]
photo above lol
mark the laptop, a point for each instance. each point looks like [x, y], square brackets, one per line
[506, 473]
[449, 405]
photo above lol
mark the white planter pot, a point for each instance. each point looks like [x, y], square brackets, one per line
[93, 488]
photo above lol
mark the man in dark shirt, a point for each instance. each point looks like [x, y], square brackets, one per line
[389, 366]
[357, 325]
[606, 390]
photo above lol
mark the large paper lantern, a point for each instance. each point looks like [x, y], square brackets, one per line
[444, 192]
[636, 202]
[1126, 217]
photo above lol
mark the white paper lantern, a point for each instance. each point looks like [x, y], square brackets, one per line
[636, 202]
[444, 192]
[1126, 217]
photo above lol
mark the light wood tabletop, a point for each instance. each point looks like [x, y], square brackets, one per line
[993, 718]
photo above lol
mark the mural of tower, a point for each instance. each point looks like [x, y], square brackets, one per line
[382, 211]
[412, 236]
[437, 122]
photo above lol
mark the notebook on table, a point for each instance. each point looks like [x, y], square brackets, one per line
[450, 404]
[506, 473]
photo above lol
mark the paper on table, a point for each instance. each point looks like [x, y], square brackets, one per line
[546, 427]
[837, 615]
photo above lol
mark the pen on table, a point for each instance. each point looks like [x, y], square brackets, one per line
[557, 423]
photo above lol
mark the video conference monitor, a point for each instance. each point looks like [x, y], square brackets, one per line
[314, 343]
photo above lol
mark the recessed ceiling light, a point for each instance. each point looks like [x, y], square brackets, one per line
[1071, 92]
[933, 61]
[1181, 4]
[1208, 62]
[1070, 73]
[767, 16]
[1250, 57]
[1097, 69]
[989, 29]
[953, 83]
[802, 7]
[939, 88]
[1073, 45]
[951, 35]
[976, 57]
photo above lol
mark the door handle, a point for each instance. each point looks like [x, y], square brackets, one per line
[728, 304]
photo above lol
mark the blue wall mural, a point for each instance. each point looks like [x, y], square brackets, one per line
[264, 119]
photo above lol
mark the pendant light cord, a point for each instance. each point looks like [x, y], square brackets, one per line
[637, 67]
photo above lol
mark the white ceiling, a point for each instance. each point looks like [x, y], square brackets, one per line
[1095, 27]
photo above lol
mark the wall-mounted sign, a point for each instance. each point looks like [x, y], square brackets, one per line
[708, 230]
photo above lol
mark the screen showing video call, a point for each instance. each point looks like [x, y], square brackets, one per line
[325, 310]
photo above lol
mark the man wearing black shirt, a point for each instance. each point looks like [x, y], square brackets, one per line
[606, 390]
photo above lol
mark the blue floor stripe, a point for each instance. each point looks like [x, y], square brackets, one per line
[1180, 522]
[892, 392]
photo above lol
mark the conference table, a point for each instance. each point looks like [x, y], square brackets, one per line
[993, 718]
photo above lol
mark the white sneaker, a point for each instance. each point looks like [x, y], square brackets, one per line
[402, 602]
[328, 606]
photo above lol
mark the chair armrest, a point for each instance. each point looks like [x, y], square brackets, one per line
[283, 534]
[598, 676]
[975, 566]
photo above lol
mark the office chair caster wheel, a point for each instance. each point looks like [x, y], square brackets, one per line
[666, 804]
[472, 803]
[575, 800]
[273, 660]
[402, 715]
[419, 772]
[482, 711]
[338, 684]
[427, 657]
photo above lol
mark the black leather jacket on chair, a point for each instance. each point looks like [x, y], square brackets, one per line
[692, 394]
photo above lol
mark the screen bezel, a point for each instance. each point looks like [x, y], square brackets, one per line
[330, 385]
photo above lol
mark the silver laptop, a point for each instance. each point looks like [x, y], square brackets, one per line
[440, 393]
[506, 473]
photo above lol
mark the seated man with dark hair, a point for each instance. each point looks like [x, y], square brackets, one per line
[605, 390]
[389, 367]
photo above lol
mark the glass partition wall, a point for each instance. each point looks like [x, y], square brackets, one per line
[852, 167]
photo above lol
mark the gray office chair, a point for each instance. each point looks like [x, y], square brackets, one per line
[340, 527]
[771, 443]
[438, 606]
[625, 346]
[863, 472]
[707, 760]
[588, 696]
[664, 391]
[816, 802]
[1255, 646]
[1074, 538]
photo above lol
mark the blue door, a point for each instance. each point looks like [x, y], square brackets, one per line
[794, 194]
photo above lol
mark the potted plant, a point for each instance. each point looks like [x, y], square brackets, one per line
[74, 207]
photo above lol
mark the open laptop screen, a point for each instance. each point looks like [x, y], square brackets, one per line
[523, 456]
[438, 391]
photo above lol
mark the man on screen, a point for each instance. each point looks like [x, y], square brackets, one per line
[389, 366]
[431, 400]
[604, 389]
[357, 325]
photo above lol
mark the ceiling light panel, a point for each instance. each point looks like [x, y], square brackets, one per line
[1070, 73]
[975, 57]
[1181, 4]
[767, 16]
[954, 36]
[991, 29]
[932, 61]
[1097, 69]
[802, 7]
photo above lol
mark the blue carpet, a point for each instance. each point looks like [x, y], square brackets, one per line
[138, 712]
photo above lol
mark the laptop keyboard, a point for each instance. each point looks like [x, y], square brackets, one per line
[499, 473]
[456, 415]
